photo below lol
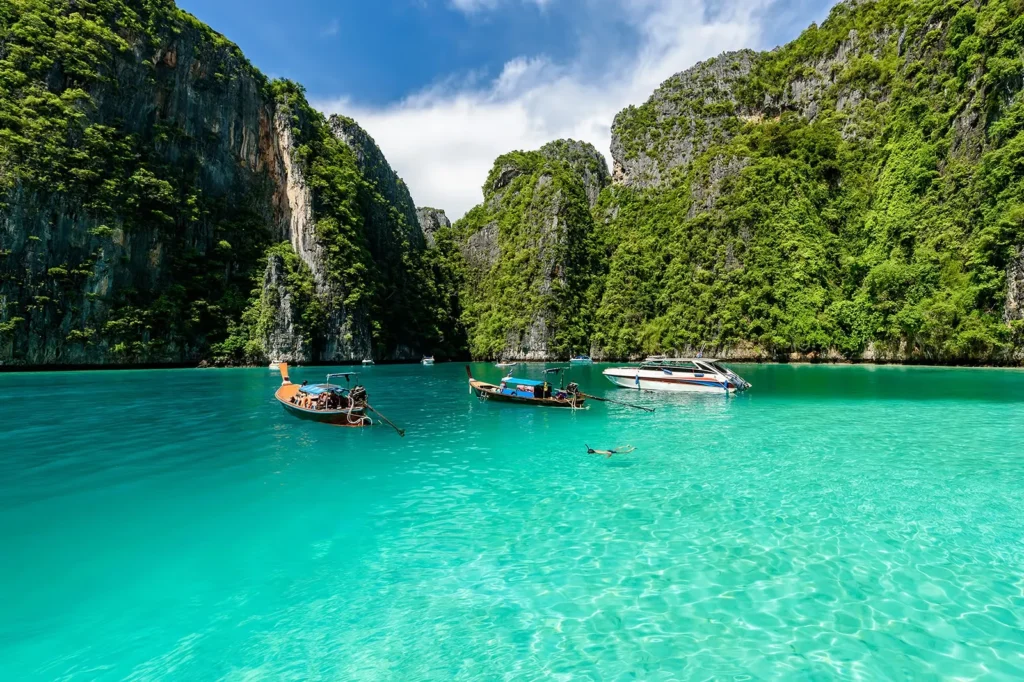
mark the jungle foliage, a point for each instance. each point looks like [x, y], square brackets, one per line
[93, 170]
[882, 222]
[525, 257]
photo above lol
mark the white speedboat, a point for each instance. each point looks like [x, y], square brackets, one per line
[275, 366]
[694, 375]
[506, 364]
[427, 360]
[581, 360]
[368, 361]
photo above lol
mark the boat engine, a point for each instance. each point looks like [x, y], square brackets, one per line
[357, 395]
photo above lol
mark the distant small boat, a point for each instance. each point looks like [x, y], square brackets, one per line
[581, 360]
[428, 360]
[527, 392]
[368, 361]
[275, 366]
[506, 364]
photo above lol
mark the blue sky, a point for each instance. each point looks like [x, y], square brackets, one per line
[445, 86]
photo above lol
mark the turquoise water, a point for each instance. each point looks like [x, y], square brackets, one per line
[832, 523]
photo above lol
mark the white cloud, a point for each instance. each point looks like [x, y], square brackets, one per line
[331, 29]
[443, 140]
[473, 6]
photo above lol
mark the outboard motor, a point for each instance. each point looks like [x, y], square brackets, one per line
[741, 383]
[357, 395]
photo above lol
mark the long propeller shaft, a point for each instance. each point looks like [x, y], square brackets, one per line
[401, 432]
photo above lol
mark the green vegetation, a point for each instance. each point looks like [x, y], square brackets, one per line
[884, 222]
[249, 338]
[526, 256]
[859, 192]
[61, 63]
[143, 228]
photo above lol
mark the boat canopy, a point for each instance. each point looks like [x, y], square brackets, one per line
[319, 389]
[522, 382]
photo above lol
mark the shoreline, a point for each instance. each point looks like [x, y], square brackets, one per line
[34, 369]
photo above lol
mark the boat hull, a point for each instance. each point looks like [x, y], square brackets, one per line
[487, 391]
[675, 383]
[354, 418]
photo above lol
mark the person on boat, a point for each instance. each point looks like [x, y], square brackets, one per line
[622, 450]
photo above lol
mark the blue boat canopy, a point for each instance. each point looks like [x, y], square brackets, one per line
[522, 382]
[319, 388]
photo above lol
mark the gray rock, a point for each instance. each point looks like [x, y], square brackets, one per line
[679, 121]
[285, 341]
[481, 250]
[584, 159]
[220, 123]
[190, 103]
[430, 221]
[1014, 309]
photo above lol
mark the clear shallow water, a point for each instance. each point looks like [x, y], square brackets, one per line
[834, 522]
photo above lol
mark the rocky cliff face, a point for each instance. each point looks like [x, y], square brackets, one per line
[432, 221]
[1014, 309]
[814, 201]
[529, 254]
[136, 233]
[679, 122]
[173, 162]
[584, 161]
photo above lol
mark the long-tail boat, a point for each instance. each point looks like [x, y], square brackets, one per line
[527, 392]
[325, 403]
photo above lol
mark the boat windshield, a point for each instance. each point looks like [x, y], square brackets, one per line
[671, 365]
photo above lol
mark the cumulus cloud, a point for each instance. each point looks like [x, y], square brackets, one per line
[474, 6]
[443, 140]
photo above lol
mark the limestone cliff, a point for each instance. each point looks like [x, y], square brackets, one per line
[529, 253]
[1015, 288]
[852, 195]
[431, 221]
[679, 122]
[147, 172]
[152, 203]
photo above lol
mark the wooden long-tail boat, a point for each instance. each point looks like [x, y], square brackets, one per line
[527, 392]
[325, 403]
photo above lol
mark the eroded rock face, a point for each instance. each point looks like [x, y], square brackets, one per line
[196, 106]
[584, 159]
[527, 252]
[1015, 288]
[285, 341]
[430, 221]
[679, 121]
[211, 135]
